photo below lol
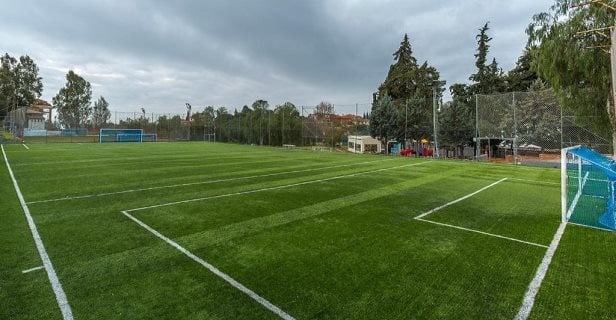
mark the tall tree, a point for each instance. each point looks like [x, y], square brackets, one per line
[522, 76]
[580, 76]
[100, 113]
[409, 86]
[457, 124]
[489, 77]
[383, 120]
[287, 124]
[260, 108]
[29, 83]
[323, 110]
[8, 85]
[20, 83]
[73, 101]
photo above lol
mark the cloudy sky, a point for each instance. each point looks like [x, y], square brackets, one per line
[159, 54]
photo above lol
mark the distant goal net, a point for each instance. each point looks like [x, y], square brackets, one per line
[125, 135]
[587, 181]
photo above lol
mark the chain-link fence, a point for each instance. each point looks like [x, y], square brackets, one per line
[530, 127]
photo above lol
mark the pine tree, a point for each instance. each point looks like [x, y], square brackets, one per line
[488, 77]
[409, 86]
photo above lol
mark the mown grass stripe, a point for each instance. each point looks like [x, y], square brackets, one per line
[274, 188]
[200, 183]
[256, 225]
[264, 302]
[65, 308]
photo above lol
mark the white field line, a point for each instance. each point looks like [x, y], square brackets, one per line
[482, 232]
[25, 146]
[535, 284]
[214, 270]
[273, 188]
[459, 199]
[199, 183]
[590, 227]
[536, 181]
[65, 308]
[32, 269]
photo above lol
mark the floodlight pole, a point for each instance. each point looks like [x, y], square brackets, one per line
[435, 85]
[406, 120]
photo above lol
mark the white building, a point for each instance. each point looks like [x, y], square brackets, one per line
[364, 144]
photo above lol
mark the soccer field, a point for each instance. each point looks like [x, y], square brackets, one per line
[220, 231]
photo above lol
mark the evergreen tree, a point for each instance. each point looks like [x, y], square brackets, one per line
[457, 125]
[409, 86]
[383, 120]
[522, 76]
[489, 77]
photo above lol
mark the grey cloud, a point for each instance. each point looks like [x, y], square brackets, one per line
[163, 53]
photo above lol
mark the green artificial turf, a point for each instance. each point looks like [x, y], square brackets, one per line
[320, 235]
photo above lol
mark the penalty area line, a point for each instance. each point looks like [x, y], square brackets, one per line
[65, 308]
[483, 232]
[25, 146]
[459, 199]
[264, 302]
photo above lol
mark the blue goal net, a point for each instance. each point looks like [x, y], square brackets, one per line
[125, 135]
[588, 180]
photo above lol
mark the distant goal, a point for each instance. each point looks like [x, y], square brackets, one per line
[125, 135]
[587, 184]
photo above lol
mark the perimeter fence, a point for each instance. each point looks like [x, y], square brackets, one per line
[524, 127]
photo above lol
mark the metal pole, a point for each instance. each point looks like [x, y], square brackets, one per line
[514, 144]
[282, 126]
[406, 120]
[331, 123]
[356, 123]
[434, 120]
[477, 138]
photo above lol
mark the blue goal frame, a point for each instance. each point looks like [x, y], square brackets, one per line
[124, 135]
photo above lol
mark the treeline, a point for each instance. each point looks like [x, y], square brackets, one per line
[258, 124]
[21, 86]
[565, 52]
